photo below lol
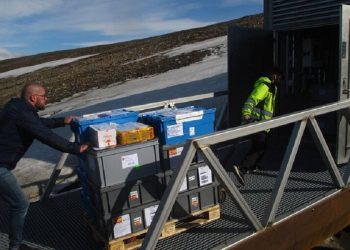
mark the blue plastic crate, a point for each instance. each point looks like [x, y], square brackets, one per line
[80, 126]
[176, 125]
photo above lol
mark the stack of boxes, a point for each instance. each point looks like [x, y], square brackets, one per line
[199, 190]
[83, 129]
[123, 178]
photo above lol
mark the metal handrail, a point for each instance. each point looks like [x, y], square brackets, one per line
[202, 144]
[55, 174]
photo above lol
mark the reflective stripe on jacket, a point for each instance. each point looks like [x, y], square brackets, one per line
[260, 104]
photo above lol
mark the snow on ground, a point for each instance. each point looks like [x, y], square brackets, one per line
[196, 79]
[210, 43]
[203, 45]
[207, 76]
[24, 70]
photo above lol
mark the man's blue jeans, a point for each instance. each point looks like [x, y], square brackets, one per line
[11, 193]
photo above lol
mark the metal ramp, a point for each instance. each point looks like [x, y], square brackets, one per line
[58, 223]
[299, 181]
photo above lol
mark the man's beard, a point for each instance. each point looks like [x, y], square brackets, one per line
[40, 107]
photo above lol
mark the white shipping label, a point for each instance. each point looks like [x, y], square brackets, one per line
[122, 226]
[175, 152]
[175, 130]
[189, 116]
[191, 178]
[205, 176]
[130, 161]
[183, 185]
[149, 214]
[192, 131]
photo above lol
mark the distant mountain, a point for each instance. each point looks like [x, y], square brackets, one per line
[113, 63]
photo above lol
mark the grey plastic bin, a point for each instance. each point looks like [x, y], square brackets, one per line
[123, 163]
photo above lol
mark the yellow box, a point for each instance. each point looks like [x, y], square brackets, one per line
[133, 132]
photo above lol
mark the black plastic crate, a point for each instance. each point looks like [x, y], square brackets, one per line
[117, 198]
[195, 200]
[171, 156]
[201, 191]
[198, 175]
[126, 222]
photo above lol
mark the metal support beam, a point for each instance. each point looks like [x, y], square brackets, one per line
[233, 133]
[168, 199]
[225, 180]
[177, 100]
[284, 172]
[325, 153]
[347, 174]
[56, 172]
[346, 114]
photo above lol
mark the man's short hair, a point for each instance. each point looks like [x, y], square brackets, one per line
[276, 71]
[28, 88]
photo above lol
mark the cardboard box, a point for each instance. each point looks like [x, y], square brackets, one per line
[103, 135]
[80, 126]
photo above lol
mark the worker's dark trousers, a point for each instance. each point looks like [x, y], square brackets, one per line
[11, 193]
[249, 150]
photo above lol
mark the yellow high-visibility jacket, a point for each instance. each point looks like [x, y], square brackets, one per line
[260, 104]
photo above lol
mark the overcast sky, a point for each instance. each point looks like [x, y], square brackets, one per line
[34, 26]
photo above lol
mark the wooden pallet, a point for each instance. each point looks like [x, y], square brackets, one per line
[173, 227]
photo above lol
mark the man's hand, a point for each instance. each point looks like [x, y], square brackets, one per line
[84, 147]
[68, 119]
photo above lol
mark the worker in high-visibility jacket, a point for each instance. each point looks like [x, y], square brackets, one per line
[259, 106]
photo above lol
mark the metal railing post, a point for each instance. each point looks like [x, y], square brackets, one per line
[224, 179]
[325, 153]
[56, 172]
[168, 199]
[284, 172]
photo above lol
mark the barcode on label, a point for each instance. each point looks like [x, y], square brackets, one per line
[204, 179]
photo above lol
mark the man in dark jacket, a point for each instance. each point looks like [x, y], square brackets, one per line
[19, 126]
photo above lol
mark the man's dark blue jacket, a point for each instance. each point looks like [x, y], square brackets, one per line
[20, 125]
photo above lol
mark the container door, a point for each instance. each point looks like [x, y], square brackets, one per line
[250, 55]
[343, 133]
